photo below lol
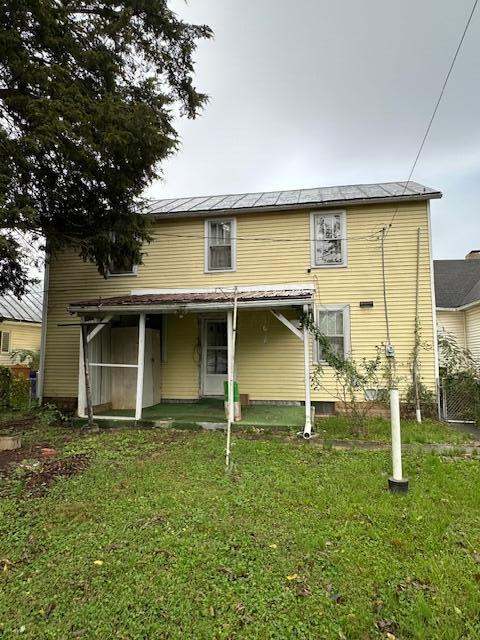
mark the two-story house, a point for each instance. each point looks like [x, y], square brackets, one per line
[166, 323]
[457, 291]
[20, 324]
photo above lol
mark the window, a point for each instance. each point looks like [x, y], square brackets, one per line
[328, 233]
[4, 341]
[125, 268]
[220, 245]
[334, 323]
[116, 270]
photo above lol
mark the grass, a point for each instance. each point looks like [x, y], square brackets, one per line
[154, 540]
[378, 430]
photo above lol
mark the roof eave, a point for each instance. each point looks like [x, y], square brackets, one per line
[462, 307]
[294, 207]
[191, 306]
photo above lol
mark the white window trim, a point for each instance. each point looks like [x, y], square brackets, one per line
[347, 347]
[233, 222]
[2, 350]
[313, 240]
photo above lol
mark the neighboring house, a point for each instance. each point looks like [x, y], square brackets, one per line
[284, 252]
[457, 293]
[20, 324]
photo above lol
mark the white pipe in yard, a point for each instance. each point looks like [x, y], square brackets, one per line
[397, 483]
[396, 437]
[307, 430]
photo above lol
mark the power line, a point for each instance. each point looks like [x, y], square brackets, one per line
[374, 235]
[432, 118]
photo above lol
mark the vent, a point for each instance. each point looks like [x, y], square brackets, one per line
[324, 408]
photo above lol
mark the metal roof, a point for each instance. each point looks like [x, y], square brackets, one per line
[457, 282]
[220, 297]
[26, 309]
[297, 198]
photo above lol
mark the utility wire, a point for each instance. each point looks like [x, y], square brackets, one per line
[432, 118]
[374, 235]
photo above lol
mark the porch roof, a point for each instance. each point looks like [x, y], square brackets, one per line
[164, 300]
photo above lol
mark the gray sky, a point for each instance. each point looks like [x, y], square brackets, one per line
[308, 93]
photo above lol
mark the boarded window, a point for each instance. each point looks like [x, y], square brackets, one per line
[328, 239]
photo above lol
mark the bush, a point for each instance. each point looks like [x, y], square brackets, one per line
[20, 389]
[428, 402]
[5, 385]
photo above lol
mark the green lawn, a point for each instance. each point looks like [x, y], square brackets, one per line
[378, 430]
[154, 540]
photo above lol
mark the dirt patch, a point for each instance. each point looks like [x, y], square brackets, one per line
[9, 457]
[38, 481]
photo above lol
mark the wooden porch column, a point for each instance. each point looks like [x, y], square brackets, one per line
[140, 366]
[81, 380]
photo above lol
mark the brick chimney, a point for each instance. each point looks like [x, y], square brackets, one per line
[474, 254]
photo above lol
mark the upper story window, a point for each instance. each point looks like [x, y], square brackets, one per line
[220, 244]
[4, 342]
[334, 323]
[126, 267]
[328, 234]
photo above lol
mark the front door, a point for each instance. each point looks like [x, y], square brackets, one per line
[214, 361]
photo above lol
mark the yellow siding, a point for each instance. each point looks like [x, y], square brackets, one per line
[23, 335]
[472, 317]
[271, 369]
[453, 322]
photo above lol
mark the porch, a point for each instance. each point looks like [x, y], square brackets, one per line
[156, 354]
[212, 410]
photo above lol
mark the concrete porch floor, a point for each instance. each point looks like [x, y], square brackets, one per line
[211, 410]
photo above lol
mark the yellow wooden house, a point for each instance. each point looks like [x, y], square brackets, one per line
[20, 324]
[162, 331]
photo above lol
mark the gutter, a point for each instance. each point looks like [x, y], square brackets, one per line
[168, 308]
[463, 307]
[211, 213]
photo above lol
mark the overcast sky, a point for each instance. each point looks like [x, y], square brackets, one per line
[307, 93]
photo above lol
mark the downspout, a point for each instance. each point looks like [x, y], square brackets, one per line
[307, 430]
[434, 312]
[43, 337]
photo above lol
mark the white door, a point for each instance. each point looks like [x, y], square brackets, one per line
[214, 360]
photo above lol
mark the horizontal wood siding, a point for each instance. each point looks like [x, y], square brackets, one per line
[23, 335]
[453, 323]
[472, 317]
[269, 361]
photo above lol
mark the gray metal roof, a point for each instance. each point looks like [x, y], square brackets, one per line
[457, 282]
[297, 198]
[28, 309]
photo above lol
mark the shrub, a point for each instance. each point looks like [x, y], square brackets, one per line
[20, 389]
[428, 402]
[5, 384]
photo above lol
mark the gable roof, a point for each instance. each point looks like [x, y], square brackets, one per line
[457, 282]
[28, 309]
[294, 199]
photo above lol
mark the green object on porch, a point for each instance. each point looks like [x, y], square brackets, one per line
[236, 395]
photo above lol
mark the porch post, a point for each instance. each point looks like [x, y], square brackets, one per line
[140, 366]
[81, 380]
[229, 384]
[307, 431]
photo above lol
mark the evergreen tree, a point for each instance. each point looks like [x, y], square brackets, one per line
[88, 92]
